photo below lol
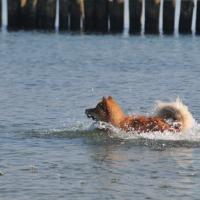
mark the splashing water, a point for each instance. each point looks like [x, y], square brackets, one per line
[110, 132]
[190, 135]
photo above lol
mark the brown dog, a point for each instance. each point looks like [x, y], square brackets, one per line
[107, 110]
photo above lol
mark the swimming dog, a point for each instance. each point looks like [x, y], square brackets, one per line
[173, 117]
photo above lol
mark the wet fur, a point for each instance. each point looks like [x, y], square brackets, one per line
[173, 117]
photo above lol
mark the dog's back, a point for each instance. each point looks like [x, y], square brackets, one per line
[147, 124]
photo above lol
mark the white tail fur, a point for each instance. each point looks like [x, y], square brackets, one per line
[176, 111]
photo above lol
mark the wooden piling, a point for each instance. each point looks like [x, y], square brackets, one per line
[40, 14]
[168, 16]
[116, 14]
[22, 14]
[152, 9]
[89, 23]
[96, 15]
[75, 15]
[198, 18]
[13, 14]
[185, 22]
[27, 14]
[64, 15]
[101, 16]
[135, 10]
[46, 12]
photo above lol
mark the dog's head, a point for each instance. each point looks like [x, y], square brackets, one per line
[100, 112]
[107, 110]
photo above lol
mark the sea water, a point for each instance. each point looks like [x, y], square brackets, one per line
[48, 147]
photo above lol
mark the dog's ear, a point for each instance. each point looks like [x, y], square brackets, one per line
[104, 101]
[110, 98]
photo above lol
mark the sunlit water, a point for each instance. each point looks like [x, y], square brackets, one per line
[50, 150]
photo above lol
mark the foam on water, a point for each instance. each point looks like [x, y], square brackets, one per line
[105, 133]
[192, 135]
[102, 132]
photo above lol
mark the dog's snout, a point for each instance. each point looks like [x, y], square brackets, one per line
[87, 112]
[90, 113]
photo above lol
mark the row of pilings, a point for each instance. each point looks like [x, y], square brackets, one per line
[103, 15]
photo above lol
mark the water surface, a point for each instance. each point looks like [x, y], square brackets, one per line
[48, 149]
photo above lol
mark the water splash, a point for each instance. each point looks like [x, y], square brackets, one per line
[4, 15]
[126, 17]
[192, 135]
[102, 132]
[57, 15]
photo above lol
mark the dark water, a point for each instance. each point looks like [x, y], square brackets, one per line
[47, 148]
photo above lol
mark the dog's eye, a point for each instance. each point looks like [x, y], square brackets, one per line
[101, 106]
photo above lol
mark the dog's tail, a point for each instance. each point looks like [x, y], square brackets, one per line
[176, 111]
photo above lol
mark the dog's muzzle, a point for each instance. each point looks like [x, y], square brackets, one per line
[89, 112]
